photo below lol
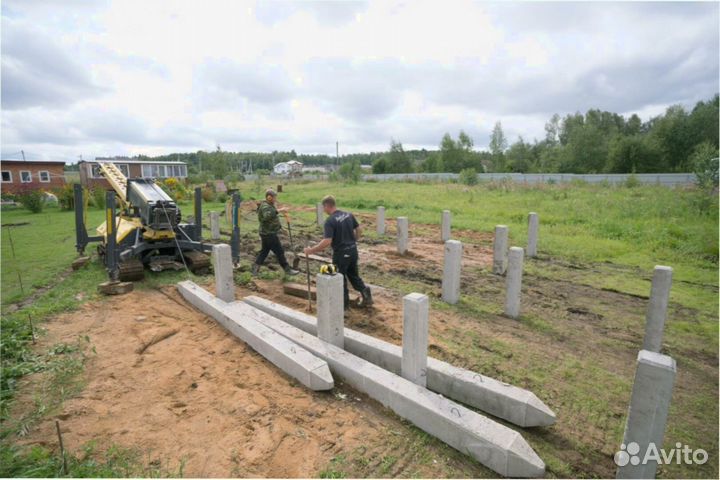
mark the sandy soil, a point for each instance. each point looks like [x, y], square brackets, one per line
[169, 380]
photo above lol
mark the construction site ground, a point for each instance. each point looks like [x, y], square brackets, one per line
[163, 378]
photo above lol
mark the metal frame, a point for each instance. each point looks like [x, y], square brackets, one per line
[235, 237]
[81, 235]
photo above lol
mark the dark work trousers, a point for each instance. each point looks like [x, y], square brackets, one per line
[346, 262]
[271, 243]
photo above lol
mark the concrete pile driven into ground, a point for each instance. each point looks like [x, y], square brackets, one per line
[499, 448]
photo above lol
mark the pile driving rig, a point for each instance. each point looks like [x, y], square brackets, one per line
[147, 230]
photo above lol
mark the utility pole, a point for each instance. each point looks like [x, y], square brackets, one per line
[337, 153]
[23, 154]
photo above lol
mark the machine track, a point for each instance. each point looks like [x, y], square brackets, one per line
[132, 270]
[197, 262]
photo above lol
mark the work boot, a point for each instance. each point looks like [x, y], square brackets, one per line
[291, 271]
[366, 297]
[255, 270]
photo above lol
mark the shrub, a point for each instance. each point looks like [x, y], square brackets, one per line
[201, 177]
[233, 178]
[208, 194]
[66, 196]
[468, 176]
[351, 171]
[33, 200]
[632, 181]
[97, 198]
[179, 195]
[222, 197]
[705, 165]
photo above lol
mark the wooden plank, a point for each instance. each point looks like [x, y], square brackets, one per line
[316, 258]
[299, 290]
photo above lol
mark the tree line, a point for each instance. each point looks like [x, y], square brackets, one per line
[594, 142]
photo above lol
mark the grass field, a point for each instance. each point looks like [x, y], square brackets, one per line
[599, 238]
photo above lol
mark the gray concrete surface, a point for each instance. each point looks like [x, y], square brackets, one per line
[380, 221]
[516, 405]
[446, 226]
[330, 311]
[451, 271]
[513, 282]
[500, 246]
[403, 239]
[533, 226]
[223, 267]
[320, 214]
[657, 308]
[416, 313]
[214, 226]
[648, 412]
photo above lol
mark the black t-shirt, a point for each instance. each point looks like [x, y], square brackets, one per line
[340, 226]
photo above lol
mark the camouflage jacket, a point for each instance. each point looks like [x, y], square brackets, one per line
[268, 217]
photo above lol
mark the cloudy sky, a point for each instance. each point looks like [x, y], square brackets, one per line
[96, 78]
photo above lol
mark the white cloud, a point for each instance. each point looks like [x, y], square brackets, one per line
[131, 76]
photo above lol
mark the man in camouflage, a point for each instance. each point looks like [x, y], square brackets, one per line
[269, 217]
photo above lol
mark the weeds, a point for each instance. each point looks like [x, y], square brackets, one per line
[115, 462]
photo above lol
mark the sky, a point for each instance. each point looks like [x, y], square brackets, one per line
[105, 78]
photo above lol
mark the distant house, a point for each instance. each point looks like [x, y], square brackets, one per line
[293, 167]
[20, 175]
[90, 170]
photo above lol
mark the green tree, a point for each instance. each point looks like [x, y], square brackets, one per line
[635, 153]
[674, 136]
[585, 150]
[350, 171]
[379, 165]
[468, 176]
[552, 130]
[498, 144]
[519, 156]
[705, 165]
[704, 121]
[396, 159]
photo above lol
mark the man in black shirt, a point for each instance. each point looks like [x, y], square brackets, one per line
[342, 232]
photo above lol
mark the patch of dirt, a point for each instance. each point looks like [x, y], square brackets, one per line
[169, 380]
[427, 255]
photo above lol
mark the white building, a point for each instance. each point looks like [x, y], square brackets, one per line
[293, 167]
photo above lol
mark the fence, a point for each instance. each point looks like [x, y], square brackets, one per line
[666, 179]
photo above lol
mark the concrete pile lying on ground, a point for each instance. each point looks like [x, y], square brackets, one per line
[516, 405]
[496, 446]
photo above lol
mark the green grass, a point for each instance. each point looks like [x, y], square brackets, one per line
[114, 462]
[641, 226]
[607, 238]
[39, 251]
